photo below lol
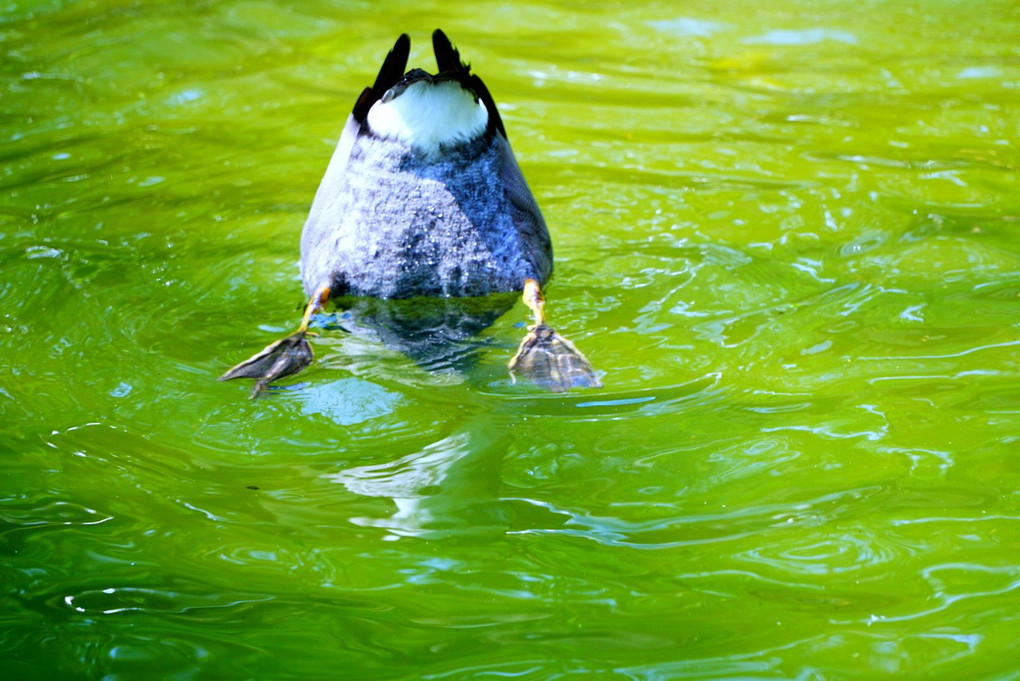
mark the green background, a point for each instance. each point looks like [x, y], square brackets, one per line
[786, 235]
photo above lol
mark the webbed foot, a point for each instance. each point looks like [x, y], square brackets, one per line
[550, 361]
[546, 358]
[285, 357]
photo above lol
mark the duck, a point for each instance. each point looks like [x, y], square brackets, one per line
[423, 198]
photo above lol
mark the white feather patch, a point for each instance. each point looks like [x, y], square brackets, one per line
[427, 115]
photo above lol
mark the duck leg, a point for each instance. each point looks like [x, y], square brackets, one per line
[285, 357]
[546, 358]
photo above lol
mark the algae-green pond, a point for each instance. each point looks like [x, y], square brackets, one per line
[786, 235]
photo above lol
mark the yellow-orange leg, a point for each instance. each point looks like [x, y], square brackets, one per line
[533, 298]
[315, 303]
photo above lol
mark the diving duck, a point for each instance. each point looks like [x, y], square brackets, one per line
[423, 197]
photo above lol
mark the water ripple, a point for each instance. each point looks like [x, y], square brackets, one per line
[679, 529]
[114, 600]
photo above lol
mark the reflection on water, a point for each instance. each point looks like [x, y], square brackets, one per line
[787, 235]
[438, 334]
[448, 487]
[347, 401]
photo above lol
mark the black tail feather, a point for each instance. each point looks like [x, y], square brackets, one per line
[390, 73]
[448, 60]
[394, 66]
[447, 56]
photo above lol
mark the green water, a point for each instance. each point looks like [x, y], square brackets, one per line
[786, 235]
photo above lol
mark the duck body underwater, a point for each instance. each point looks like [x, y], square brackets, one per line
[423, 197]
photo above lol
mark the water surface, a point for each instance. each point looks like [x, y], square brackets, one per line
[786, 234]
